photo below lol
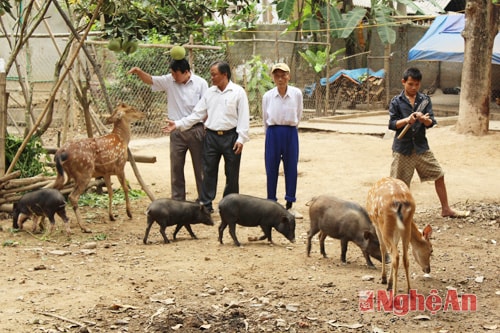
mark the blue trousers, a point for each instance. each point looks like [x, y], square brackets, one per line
[282, 144]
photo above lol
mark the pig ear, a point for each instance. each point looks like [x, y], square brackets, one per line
[427, 232]
[285, 219]
[369, 235]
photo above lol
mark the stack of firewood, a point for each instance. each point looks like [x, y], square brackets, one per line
[12, 188]
[346, 89]
[373, 86]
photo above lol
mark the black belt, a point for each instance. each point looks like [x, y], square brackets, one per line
[221, 133]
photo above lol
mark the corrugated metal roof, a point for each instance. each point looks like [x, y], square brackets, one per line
[430, 9]
[426, 6]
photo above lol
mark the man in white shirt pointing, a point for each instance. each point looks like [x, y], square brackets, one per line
[226, 115]
[184, 89]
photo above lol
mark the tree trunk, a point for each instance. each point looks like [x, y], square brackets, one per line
[481, 27]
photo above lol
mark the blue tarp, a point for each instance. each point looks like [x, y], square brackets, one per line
[353, 74]
[444, 42]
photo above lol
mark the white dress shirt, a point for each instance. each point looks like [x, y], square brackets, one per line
[286, 110]
[221, 111]
[181, 97]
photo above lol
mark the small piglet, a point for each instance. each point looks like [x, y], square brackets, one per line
[344, 220]
[168, 212]
[45, 202]
[250, 211]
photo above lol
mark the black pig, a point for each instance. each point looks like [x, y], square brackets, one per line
[250, 211]
[42, 203]
[168, 212]
[344, 220]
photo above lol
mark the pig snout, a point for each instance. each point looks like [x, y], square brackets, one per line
[372, 246]
[291, 238]
[205, 216]
[287, 228]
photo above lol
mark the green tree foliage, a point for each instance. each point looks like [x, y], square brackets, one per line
[30, 162]
[5, 7]
[147, 59]
[257, 82]
[343, 19]
[177, 19]
[318, 60]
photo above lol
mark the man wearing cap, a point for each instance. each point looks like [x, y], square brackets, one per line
[282, 108]
[184, 89]
[225, 111]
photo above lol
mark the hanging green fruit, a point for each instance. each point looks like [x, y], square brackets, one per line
[178, 52]
[115, 44]
[130, 46]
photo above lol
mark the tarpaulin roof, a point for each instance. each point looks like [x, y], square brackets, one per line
[425, 6]
[444, 42]
[352, 74]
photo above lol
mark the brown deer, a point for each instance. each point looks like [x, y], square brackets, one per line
[103, 156]
[391, 207]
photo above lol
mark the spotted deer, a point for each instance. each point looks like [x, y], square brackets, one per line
[103, 156]
[391, 207]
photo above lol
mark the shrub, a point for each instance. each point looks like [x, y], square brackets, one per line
[31, 161]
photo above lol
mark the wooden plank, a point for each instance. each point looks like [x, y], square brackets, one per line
[137, 158]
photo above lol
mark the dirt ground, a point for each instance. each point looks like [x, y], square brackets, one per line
[109, 281]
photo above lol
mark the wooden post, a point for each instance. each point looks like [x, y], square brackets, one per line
[327, 56]
[55, 88]
[387, 74]
[3, 118]
[191, 54]
[254, 45]
[276, 47]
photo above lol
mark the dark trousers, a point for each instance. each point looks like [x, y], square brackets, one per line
[282, 144]
[180, 142]
[215, 147]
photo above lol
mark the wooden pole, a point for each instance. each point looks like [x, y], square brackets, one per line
[276, 47]
[82, 46]
[137, 158]
[59, 52]
[191, 53]
[387, 76]
[327, 56]
[3, 119]
[54, 91]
